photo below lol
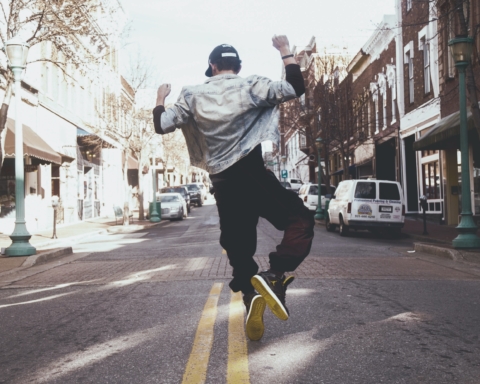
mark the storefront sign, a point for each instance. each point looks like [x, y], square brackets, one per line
[31, 168]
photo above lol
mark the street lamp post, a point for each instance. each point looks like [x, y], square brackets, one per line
[154, 216]
[17, 52]
[462, 50]
[320, 213]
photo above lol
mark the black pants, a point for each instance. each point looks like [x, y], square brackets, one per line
[246, 191]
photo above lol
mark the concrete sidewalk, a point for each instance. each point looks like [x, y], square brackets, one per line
[48, 248]
[438, 241]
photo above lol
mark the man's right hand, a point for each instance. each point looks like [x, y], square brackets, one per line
[162, 93]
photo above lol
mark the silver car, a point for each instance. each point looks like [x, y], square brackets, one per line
[173, 206]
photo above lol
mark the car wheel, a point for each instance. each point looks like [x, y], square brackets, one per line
[343, 228]
[330, 227]
[188, 208]
[200, 202]
[181, 215]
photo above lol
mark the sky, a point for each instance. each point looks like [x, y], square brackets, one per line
[178, 35]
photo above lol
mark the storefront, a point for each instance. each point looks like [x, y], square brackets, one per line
[441, 161]
[40, 160]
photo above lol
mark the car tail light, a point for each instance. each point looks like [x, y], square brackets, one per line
[349, 208]
[305, 199]
[403, 210]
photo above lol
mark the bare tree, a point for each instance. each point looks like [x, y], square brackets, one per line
[174, 151]
[70, 26]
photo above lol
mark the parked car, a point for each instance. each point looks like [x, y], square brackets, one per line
[203, 190]
[286, 184]
[179, 189]
[173, 206]
[309, 194]
[296, 184]
[195, 194]
[366, 204]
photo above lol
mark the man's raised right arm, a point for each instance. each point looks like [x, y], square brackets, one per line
[162, 93]
[166, 121]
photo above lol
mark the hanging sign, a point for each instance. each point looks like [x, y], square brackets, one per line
[31, 168]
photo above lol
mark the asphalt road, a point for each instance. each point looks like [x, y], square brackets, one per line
[154, 307]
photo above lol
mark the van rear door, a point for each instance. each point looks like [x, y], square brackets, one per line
[364, 207]
[389, 202]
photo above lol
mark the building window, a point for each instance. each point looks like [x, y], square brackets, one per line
[409, 5]
[449, 36]
[431, 180]
[426, 64]
[410, 77]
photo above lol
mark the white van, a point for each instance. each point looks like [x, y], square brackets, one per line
[295, 184]
[309, 195]
[366, 204]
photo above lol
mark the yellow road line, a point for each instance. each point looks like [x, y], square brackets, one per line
[237, 368]
[196, 370]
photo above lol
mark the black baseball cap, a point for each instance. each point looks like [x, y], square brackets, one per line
[223, 50]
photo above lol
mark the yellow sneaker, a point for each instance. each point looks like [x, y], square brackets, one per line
[254, 324]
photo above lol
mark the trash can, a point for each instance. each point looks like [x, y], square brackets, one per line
[327, 203]
[150, 209]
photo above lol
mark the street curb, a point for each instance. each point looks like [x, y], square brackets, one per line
[133, 227]
[439, 251]
[46, 256]
[70, 238]
[426, 238]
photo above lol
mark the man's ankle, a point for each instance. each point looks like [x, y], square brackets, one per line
[277, 273]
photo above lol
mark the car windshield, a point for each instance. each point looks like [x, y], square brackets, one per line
[176, 190]
[192, 188]
[168, 198]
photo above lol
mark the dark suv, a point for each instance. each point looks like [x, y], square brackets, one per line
[195, 194]
[179, 189]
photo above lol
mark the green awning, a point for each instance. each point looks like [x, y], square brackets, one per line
[445, 134]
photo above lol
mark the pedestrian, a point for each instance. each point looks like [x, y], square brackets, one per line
[224, 122]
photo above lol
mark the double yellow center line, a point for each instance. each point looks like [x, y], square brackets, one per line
[237, 367]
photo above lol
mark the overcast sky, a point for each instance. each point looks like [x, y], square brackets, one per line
[180, 34]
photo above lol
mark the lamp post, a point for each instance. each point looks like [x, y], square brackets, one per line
[462, 50]
[319, 214]
[17, 51]
[154, 215]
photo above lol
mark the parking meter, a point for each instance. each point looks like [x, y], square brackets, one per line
[54, 206]
[424, 206]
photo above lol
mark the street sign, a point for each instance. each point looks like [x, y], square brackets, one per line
[284, 174]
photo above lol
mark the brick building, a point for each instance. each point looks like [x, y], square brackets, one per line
[360, 117]
[443, 181]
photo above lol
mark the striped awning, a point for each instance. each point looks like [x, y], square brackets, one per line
[33, 144]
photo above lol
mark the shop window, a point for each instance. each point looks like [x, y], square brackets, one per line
[431, 180]
[55, 180]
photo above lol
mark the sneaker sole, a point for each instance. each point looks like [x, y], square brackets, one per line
[271, 299]
[254, 325]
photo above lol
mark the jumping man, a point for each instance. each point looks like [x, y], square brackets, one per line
[224, 122]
